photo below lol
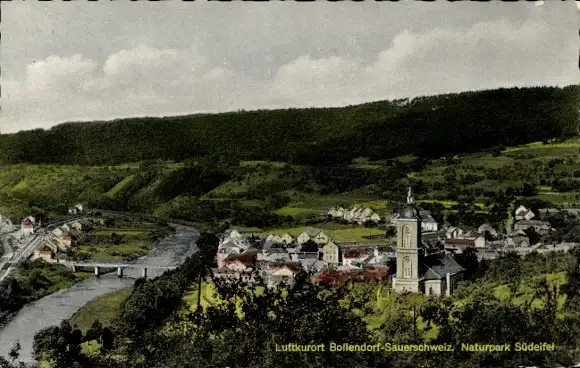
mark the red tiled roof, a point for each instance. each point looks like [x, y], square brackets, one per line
[354, 254]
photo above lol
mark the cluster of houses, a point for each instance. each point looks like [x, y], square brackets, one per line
[423, 262]
[78, 208]
[280, 258]
[357, 214]
[58, 241]
[490, 243]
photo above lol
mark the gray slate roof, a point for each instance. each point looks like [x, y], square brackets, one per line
[437, 266]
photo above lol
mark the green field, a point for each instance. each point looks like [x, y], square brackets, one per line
[119, 186]
[104, 308]
[135, 244]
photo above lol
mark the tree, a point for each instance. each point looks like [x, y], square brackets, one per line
[15, 351]
[469, 261]
[61, 345]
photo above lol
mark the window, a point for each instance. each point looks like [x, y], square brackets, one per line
[407, 267]
[430, 290]
[406, 237]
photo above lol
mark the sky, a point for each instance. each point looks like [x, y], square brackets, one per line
[78, 61]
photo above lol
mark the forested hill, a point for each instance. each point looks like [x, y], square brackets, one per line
[425, 126]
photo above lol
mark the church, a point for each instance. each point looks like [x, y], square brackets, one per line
[421, 268]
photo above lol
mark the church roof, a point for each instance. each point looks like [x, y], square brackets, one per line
[408, 211]
[437, 266]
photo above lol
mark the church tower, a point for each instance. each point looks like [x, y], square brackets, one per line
[408, 241]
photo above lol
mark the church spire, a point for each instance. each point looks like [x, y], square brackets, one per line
[409, 196]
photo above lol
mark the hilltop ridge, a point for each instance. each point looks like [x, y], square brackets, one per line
[430, 126]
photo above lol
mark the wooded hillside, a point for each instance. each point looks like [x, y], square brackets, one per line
[425, 126]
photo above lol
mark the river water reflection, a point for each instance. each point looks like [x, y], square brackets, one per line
[54, 308]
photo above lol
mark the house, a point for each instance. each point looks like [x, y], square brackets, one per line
[428, 223]
[27, 227]
[358, 214]
[453, 232]
[57, 232]
[57, 244]
[480, 242]
[336, 212]
[441, 273]
[241, 262]
[311, 265]
[76, 225]
[79, 207]
[486, 228]
[286, 239]
[65, 228]
[277, 272]
[458, 245]
[379, 259]
[66, 239]
[541, 227]
[273, 254]
[354, 258]
[310, 233]
[44, 253]
[330, 253]
[273, 238]
[518, 241]
[522, 213]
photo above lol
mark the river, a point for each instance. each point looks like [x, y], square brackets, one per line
[53, 309]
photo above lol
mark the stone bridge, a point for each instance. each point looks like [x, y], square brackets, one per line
[119, 266]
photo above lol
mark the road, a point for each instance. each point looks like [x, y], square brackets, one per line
[26, 251]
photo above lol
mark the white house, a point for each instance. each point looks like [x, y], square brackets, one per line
[522, 213]
[330, 253]
[453, 232]
[316, 235]
[44, 253]
[27, 227]
[351, 258]
[76, 225]
[286, 239]
[428, 223]
[480, 242]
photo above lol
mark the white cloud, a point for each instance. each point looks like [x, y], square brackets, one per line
[160, 80]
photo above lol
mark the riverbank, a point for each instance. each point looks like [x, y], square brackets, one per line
[32, 282]
[54, 308]
[104, 309]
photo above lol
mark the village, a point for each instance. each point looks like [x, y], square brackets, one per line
[421, 258]
[428, 262]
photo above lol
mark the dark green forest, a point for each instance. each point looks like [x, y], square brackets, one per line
[426, 126]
